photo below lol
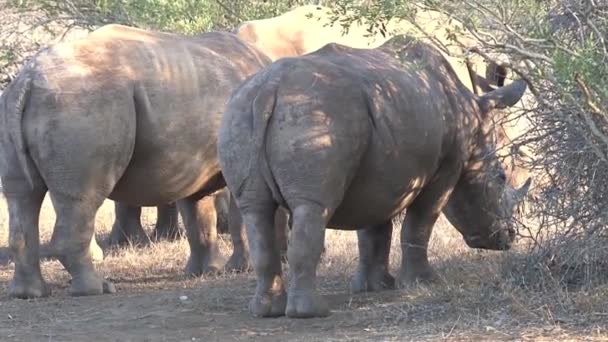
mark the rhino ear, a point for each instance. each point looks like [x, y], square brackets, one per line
[503, 97]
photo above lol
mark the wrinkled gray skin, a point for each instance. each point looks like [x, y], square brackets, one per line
[123, 114]
[348, 138]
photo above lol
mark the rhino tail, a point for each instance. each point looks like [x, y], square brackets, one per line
[15, 97]
[263, 109]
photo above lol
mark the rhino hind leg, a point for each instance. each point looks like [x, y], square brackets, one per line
[166, 223]
[221, 201]
[24, 210]
[304, 254]
[239, 260]
[270, 299]
[71, 241]
[127, 228]
[374, 249]
[200, 221]
[281, 222]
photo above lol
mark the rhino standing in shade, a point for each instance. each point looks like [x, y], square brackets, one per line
[348, 138]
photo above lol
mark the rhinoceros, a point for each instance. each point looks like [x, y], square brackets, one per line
[305, 29]
[348, 138]
[125, 114]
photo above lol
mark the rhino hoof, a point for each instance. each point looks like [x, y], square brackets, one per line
[412, 276]
[304, 304]
[197, 268]
[28, 289]
[90, 285]
[268, 305]
[238, 263]
[375, 281]
[108, 287]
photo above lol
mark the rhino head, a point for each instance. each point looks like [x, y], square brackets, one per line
[481, 205]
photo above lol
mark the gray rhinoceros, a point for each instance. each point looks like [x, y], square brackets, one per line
[348, 138]
[124, 114]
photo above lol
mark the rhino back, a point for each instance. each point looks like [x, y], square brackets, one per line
[171, 89]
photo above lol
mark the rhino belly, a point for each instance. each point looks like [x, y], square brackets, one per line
[369, 208]
[167, 172]
[153, 185]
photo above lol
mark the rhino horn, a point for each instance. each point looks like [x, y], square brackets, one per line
[513, 196]
[521, 193]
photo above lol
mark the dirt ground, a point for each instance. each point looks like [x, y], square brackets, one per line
[477, 299]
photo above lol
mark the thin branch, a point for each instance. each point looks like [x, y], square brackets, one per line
[230, 11]
[588, 98]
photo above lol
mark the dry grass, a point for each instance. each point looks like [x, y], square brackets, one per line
[481, 296]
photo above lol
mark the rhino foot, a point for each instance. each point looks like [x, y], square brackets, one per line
[28, 288]
[108, 287]
[90, 285]
[268, 305]
[372, 281]
[306, 304]
[419, 274]
[238, 263]
[197, 267]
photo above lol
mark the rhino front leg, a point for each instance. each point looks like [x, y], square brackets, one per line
[415, 235]
[166, 222]
[374, 250]
[200, 221]
[416, 229]
[270, 299]
[127, 227]
[304, 252]
[24, 211]
[71, 242]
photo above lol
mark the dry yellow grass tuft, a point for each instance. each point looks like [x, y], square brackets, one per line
[479, 297]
